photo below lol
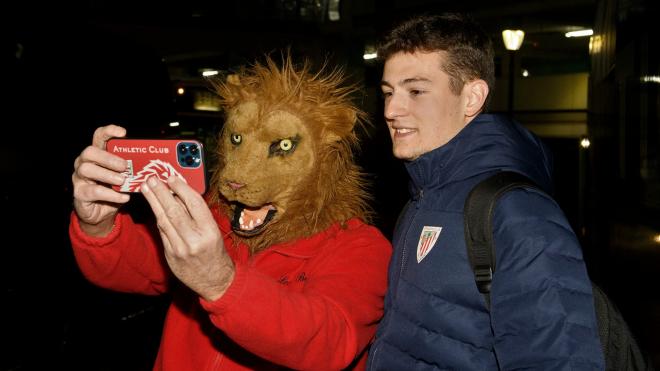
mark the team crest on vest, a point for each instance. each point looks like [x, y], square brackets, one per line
[427, 241]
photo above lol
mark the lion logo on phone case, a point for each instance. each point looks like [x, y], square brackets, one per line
[160, 169]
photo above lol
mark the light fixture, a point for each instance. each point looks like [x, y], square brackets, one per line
[585, 143]
[525, 73]
[656, 238]
[180, 91]
[650, 79]
[174, 124]
[579, 33]
[513, 39]
[333, 10]
[369, 52]
[209, 72]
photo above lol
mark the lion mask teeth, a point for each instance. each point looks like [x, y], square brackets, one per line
[251, 221]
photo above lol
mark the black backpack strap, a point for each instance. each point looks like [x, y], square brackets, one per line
[477, 219]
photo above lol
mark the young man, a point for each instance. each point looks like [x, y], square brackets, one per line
[436, 82]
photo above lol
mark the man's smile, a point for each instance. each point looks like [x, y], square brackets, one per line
[400, 133]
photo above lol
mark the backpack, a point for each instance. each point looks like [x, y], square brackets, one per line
[620, 348]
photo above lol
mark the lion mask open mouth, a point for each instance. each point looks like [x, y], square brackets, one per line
[249, 221]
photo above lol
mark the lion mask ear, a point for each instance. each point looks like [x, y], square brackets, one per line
[237, 89]
[340, 125]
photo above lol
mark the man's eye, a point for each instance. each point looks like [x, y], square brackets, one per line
[415, 92]
[236, 138]
[387, 94]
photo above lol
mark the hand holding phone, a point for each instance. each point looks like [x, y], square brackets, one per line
[161, 158]
[95, 204]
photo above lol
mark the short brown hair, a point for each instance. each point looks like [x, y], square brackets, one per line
[469, 50]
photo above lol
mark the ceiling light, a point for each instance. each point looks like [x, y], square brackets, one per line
[207, 73]
[525, 73]
[180, 91]
[513, 39]
[174, 124]
[579, 33]
[367, 56]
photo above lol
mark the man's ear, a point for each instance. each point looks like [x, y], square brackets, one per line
[476, 94]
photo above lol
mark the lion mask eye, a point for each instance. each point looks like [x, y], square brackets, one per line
[284, 146]
[236, 138]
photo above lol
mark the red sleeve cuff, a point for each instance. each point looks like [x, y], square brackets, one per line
[232, 295]
[76, 233]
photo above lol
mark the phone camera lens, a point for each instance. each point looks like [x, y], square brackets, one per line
[189, 160]
[183, 149]
[194, 149]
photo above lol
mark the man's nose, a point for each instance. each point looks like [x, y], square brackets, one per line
[395, 107]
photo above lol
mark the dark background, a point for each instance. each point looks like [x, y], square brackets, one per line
[69, 68]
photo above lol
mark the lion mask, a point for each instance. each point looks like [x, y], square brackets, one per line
[286, 167]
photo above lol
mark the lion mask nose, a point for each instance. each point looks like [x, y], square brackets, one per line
[235, 186]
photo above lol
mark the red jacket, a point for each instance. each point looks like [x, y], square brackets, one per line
[309, 304]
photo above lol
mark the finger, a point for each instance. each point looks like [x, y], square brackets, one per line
[166, 241]
[102, 158]
[183, 206]
[175, 213]
[171, 239]
[96, 192]
[194, 202]
[102, 134]
[92, 171]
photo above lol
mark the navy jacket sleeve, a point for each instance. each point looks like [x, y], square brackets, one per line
[542, 305]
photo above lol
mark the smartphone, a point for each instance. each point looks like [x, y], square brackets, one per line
[161, 158]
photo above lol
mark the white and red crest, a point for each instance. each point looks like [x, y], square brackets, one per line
[157, 168]
[427, 240]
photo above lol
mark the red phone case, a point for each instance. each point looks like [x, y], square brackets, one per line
[162, 158]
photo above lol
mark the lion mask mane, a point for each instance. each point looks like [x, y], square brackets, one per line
[286, 167]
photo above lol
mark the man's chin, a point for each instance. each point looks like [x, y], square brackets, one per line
[404, 155]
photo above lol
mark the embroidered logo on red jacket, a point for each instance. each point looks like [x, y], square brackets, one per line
[426, 241]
